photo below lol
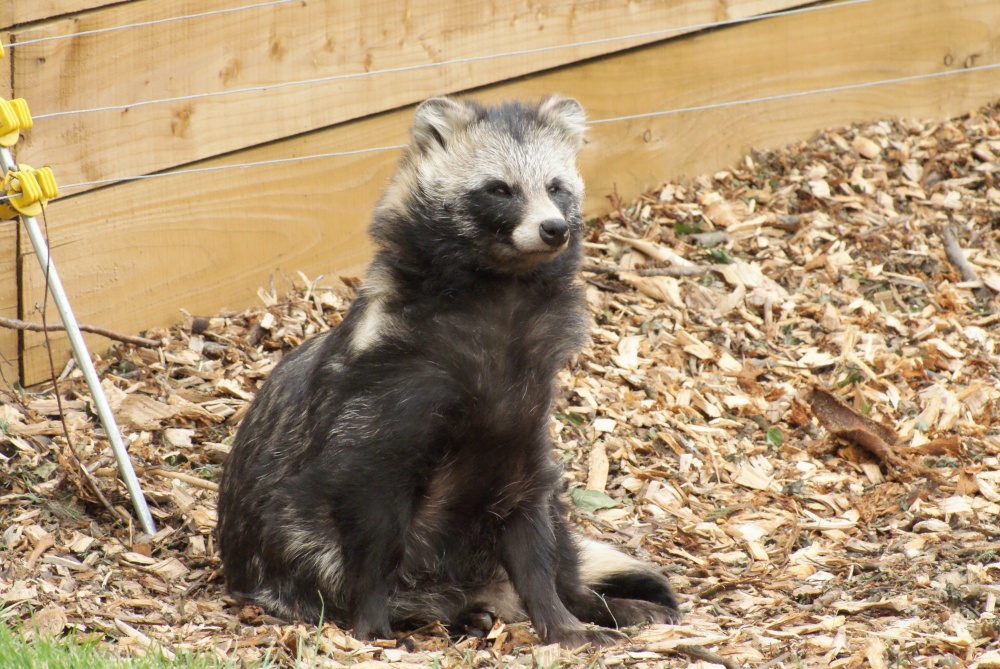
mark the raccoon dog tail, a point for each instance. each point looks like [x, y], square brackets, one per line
[614, 575]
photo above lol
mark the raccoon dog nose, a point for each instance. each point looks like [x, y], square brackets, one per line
[554, 231]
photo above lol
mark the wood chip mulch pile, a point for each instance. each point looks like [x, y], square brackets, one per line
[791, 403]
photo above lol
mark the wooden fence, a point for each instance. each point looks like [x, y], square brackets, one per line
[293, 79]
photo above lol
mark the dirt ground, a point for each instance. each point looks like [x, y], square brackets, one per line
[791, 403]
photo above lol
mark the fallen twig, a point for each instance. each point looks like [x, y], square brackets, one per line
[955, 254]
[655, 251]
[164, 473]
[44, 544]
[702, 653]
[187, 478]
[115, 513]
[16, 324]
[776, 661]
[684, 270]
[713, 238]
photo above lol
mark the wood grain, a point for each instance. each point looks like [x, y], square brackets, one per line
[133, 255]
[6, 71]
[8, 301]
[13, 12]
[294, 42]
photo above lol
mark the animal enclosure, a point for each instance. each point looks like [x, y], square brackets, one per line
[789, 404]
[314, 98]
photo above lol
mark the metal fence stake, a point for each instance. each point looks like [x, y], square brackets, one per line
[84, 361]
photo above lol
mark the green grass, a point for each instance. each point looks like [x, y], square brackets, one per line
[70, 652]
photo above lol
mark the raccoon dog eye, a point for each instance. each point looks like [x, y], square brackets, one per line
[555, 188]
[500, 189]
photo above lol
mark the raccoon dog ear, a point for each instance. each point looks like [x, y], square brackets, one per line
[565, 114]
[437, 120]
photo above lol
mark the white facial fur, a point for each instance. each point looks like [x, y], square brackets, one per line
[527, 236]
[453, 154]
[480, 154]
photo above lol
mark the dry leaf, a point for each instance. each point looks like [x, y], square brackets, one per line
[663, 288]
[50, 621]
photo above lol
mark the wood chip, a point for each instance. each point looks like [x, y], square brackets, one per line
[597, 479]
[866, 147]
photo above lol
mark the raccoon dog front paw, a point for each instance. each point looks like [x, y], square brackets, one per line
[476, 621]
[628, 612]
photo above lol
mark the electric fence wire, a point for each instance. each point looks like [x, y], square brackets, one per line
[631, 117]
[216, 12]
[448, 63]
[141, 24]
[616, 119]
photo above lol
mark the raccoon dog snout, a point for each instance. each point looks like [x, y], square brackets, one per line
[554, 232]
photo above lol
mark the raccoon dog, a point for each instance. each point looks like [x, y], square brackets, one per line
[398, 469]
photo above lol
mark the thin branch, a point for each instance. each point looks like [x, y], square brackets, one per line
[164, 473]
[115, 513]
[956, 256]
[187, 478]
[16, 324]
[702, 653]
[686, 270]
[776, 661]
[713, 238]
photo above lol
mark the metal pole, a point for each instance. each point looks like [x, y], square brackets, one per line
[83, 359]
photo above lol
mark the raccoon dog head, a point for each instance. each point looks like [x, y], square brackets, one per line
[494, 187]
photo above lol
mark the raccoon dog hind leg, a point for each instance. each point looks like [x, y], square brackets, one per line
[398, 469]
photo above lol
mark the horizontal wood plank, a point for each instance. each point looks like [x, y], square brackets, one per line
[135, 254]
[15, 12]
[294, 42]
